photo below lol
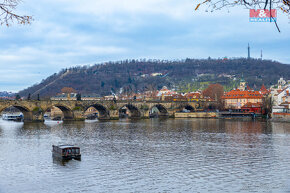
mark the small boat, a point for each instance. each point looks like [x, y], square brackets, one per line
[58, 118]
[66, 152]
[92, 116]
[153, 115]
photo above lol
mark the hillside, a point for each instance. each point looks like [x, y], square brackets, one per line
[139, 75]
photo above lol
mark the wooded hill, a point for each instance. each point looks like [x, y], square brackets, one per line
[140, 75]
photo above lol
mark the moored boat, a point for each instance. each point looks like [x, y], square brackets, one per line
[12, 117]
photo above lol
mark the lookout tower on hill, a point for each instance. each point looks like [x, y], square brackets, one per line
[249, 54]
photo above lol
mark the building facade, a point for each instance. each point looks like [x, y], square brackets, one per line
[235, 99]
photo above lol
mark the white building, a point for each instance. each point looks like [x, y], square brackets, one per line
[281, 83]
[165, 92]
[283, 96]
[281, 100]
[279, 91]
[156, 74]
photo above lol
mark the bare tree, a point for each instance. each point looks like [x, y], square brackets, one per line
[151, 88]
[267, 105]
[8, 16]
[213, 5]
[215, 92]
[68, 90]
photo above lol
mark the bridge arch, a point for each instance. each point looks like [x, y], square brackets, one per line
[27, 114]
[104, 113]
[66, 111]
[162, 111]
[134, 111]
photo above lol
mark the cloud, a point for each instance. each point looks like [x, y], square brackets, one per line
[103, 8]
[70, 32]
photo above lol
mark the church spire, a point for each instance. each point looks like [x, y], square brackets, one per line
[242, 86]
[242, 78]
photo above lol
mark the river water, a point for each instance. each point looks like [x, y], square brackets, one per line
[154, 155]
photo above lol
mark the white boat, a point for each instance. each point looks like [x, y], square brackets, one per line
[12, 117]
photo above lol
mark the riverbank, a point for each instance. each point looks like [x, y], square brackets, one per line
[281, 117]
[215, 115]
[196, 115]
[276, 117]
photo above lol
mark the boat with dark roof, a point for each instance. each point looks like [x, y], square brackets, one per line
[66, 152]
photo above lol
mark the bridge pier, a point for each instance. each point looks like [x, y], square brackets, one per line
[171, 113]
[33, 116]
[77, 115]
[114, 115]
[145, 114]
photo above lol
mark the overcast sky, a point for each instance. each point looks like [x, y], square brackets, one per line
[68, 33]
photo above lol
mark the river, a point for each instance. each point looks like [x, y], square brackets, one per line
[154, 155]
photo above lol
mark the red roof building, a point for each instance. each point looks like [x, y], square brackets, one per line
[235, 99]
[193, 96]
[252, 108]
[264, 90]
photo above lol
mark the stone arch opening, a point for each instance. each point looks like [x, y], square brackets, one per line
[130, 111]
[97, 111]
[58, 112]
[187, 108]
[158, 111]
[16, 113]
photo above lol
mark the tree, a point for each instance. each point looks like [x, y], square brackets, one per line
[151, 88]
[129, 80]
[68, 90]
[79, 97]
[214, 91]
[17, 97]
[116, 82]
[214, 5]
[8, 16]
[267, 105]
[102, 84]
[29, 96]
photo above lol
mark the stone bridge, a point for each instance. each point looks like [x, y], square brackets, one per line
[33, 110]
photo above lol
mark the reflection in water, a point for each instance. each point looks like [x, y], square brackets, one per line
[59, 161]
[63, 162]
[32, 130]
[280, 128]
[154, 155]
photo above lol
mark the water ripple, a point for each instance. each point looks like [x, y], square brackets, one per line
[174, 155]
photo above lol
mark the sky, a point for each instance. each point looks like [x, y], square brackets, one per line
[68, 33]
